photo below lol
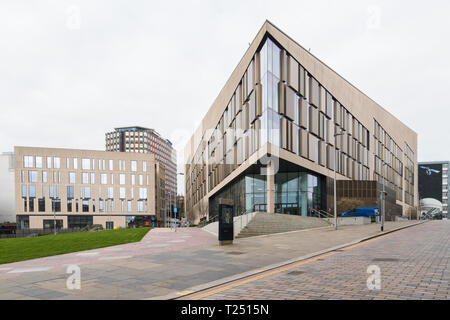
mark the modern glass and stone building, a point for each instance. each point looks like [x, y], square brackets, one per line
[85, 187]
[271, 138]
[144, 140]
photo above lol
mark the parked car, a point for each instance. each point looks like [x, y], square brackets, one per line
[370, 212]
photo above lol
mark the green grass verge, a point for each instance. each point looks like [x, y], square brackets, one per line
[19, 249]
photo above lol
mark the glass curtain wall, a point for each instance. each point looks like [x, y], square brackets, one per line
[248, 194]
[297, 193]
[270, 77]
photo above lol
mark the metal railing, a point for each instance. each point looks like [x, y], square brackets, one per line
[320, 214]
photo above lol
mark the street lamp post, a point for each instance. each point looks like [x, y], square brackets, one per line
[176, 220]
[335, 204]
[54, 199]
[383, 199]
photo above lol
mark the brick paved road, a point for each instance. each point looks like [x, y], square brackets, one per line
[414, 264]
[165, 263]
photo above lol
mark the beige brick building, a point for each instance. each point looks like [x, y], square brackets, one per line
[86, 187]
[271, 138]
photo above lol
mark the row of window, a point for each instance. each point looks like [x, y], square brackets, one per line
[86, 164]
[85, 178]
[29, 191]
[87, 205]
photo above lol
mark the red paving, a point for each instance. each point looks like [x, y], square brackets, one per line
[156, 241]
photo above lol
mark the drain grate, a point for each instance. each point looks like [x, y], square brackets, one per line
[296, 273]
[386, 259]
[235, 253]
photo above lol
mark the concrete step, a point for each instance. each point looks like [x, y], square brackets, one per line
[267, 223]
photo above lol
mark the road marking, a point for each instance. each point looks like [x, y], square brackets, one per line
[177, 241]
[260, 276]
[182, 293]
[115, 258]
[87, 254]
[24, 270]
[263, 275]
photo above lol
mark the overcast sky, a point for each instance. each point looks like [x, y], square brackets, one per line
[72, 70]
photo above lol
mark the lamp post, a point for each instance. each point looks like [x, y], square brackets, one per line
[54, 199]
[335, 151]
[109, 200]
[383, 199]
[176, 220]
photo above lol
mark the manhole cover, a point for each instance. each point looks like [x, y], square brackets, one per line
[295, 273]
[235, 253]
[386, 259]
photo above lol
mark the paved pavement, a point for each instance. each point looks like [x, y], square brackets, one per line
[165, 262]
[414, 263]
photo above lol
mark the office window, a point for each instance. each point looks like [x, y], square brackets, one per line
[142, 193]
[122, 193]
[38, 162]
[24, 191]
[110, 192]
[129, 206]
[72, 178]
[92, 178]
[144, 166]
[85, 178]
[67, 163]
[101, 205]
[87, 192]
[28, 162]
[49, 162]
[112, 178]
[32, 176]
[111, 165]
[70, 192]
[32, 191]
[75, 163]
[57, 163]
[122, 178]
[86, 164]
[133, 179]
[85, 205]
[103, 178]
[141, 180]
[133, 165]
[148, 180]
[140, 206]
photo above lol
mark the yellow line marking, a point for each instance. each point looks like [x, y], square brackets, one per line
[238, 283]
[182, 293]
[261, 276]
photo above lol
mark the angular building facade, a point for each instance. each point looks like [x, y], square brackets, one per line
[144, 140]
[272, 137]
[85, 187]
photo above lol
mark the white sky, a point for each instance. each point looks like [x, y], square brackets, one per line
[66, 79]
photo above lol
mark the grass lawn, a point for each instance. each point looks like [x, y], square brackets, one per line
[19, 249]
